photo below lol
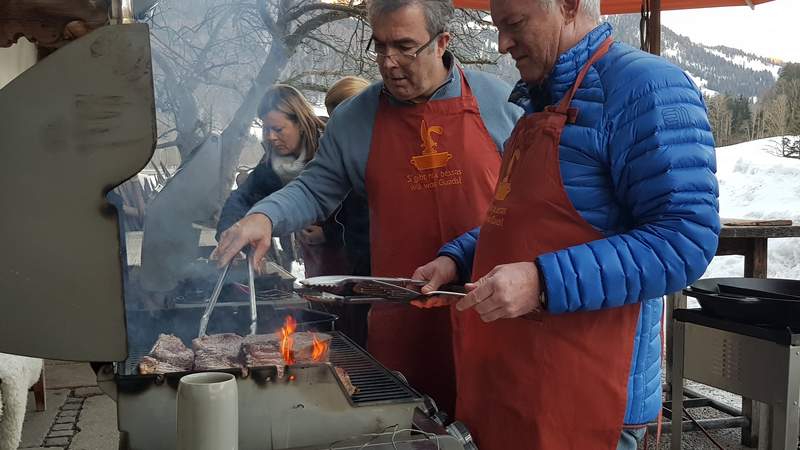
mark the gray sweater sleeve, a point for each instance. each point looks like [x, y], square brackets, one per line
[314, 194]
[340, 163]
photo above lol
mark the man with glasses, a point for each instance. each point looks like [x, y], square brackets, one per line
[424, 146]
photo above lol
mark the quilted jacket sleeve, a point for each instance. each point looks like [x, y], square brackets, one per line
[261, 183]
[462, 251]
[661, 154]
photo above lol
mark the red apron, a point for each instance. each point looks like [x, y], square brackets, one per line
[431, 173]
[551, 381]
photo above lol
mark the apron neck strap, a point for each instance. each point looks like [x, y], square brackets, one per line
[466, 91]
[563, 105]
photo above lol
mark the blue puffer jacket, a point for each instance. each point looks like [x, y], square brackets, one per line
[639, 166]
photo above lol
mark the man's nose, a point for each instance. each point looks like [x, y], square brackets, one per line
[388, 62]
[504, 42]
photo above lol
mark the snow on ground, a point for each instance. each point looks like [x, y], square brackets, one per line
[755, 183]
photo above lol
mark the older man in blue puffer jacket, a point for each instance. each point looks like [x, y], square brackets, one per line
[638, 165]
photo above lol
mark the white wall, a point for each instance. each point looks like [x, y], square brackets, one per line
[15, 60]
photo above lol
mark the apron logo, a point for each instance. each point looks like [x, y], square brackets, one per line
[430, 158]
[504, 186]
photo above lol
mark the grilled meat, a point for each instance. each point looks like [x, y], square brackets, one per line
[217, 351]
[346, 382]
[263, 350]
[149, 365]
[303, 347]
[167, 355]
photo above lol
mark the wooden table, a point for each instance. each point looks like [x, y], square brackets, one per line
[751, 242]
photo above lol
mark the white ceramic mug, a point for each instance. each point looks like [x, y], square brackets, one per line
[208, 412]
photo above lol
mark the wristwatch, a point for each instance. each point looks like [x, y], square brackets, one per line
[542, 288]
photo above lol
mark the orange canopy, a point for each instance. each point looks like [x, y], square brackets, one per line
[631, 6]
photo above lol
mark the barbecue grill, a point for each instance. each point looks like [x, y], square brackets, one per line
[307, 407]
[67, 280]
[298, 406]
[744, 339]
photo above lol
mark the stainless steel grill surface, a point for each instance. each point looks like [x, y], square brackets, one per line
[306, 408]
[374, 382]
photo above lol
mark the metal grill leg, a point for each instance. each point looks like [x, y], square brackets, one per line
[678, 339]
[786, 414]
[674, 301]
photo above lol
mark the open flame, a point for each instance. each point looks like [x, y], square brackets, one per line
[287, 341]
[320, 348]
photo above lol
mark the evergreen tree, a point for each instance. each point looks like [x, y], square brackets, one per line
[789, 85]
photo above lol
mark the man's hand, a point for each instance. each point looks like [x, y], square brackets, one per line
[440, 271]
[312, 235]
[255, 230]
[508, 291]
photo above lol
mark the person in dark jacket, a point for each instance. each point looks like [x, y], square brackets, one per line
[340, 246]
[349, 230]
[291, 133]
[353, 216]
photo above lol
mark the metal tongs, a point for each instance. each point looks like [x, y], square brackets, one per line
[360, 290]
[215, 296]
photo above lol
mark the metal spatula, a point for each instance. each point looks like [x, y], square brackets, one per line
[355, 289]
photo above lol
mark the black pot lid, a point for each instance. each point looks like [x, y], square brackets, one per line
[772, 288]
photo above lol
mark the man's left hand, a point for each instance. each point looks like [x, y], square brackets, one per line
[312, 235]
[508, 291]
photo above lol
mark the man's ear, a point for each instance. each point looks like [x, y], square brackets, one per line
[569, 8]
[442, 43]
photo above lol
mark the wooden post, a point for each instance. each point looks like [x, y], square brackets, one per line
[755, 261]
[654, 28]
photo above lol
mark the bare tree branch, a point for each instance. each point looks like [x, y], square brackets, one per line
[266, 18]
[304, 29]
[351, 11]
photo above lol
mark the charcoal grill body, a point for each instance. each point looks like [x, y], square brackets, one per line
[756, 362]
[305, 408]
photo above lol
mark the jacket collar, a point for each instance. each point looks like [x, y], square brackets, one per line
[562, 77]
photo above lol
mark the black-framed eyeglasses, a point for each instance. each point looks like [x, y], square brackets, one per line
[402, 59]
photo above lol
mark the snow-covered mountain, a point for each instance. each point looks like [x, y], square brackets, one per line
[717, 69]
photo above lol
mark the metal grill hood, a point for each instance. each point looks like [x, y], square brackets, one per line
[75, 125]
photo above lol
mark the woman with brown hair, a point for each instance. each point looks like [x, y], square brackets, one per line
[290, 133]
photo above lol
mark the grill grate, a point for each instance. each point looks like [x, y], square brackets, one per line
[131, 365]
[274, 295]
[374, 382]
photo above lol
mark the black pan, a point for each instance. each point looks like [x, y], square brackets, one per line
[757, 301]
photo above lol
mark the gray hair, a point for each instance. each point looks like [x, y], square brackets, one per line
[438, 13]
[591, 8]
